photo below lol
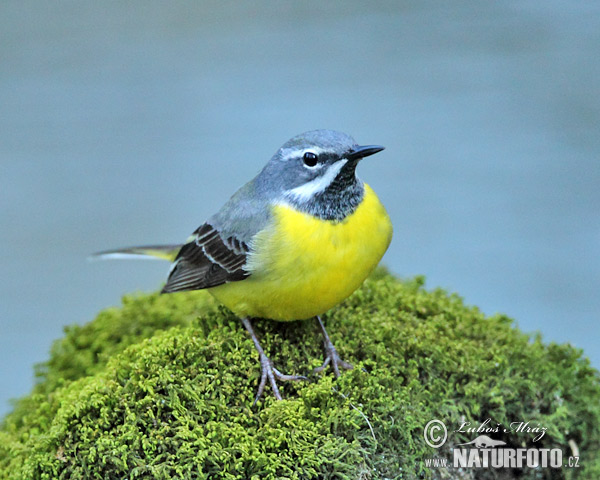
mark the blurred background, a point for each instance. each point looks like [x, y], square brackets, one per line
[127, 123]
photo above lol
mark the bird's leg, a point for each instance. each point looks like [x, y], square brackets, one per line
[331, 355]
[268, 371]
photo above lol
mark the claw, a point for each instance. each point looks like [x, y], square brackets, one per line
[267, 370]
[331, 355]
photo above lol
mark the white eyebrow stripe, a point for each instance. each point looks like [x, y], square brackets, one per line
[319, 184]
[289, 153]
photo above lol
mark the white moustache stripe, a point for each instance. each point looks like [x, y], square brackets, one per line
[319, 184]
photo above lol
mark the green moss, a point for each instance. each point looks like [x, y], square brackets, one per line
[163, 388]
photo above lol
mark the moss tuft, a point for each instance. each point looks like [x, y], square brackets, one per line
[163, 388]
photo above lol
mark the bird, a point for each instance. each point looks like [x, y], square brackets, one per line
[290, 244]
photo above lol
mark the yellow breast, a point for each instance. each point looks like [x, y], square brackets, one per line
[302, 265]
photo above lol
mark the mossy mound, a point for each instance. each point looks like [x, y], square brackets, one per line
[163, 388]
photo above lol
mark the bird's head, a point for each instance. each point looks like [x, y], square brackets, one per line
[315, 172]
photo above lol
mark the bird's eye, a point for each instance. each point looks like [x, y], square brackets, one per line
[310, 159]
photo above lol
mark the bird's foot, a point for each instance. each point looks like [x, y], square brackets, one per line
[270, 373]
[267, 370]
[333, 358]
[331, 355]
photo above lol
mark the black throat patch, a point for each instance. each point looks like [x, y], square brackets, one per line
[340, 199]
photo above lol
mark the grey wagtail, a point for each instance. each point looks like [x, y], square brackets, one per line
[290, 244]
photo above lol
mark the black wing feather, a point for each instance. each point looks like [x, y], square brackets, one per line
[207, 261]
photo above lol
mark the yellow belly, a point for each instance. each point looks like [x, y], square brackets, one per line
[303, 266]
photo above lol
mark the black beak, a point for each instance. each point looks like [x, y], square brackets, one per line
[363, 151]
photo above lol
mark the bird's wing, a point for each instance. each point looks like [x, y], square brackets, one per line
[208, 260]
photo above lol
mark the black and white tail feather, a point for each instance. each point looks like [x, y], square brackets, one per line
[207, 260]
[157, 252]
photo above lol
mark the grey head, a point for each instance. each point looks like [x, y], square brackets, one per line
[316, 173]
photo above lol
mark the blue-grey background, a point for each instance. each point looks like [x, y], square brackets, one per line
[125, 123]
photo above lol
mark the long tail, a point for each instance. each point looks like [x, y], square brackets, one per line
[160, 252]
